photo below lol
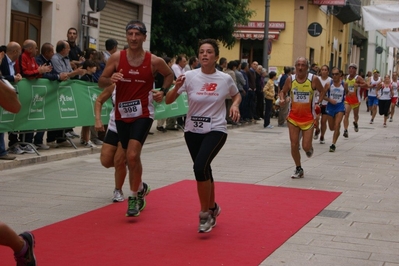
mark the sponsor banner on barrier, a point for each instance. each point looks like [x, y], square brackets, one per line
[52, 105]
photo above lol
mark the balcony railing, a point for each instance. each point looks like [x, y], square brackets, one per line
[348, 13]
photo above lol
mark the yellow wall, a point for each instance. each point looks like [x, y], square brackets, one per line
[283, 48]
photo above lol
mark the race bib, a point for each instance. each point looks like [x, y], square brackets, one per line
[199, 124]
[337, 96]
[351, 88]
[302, 97]
[130, 109]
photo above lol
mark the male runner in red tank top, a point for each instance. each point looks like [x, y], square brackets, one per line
[133, 71]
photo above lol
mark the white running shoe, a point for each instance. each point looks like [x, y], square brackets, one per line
[28, 149]
[42, 147]
[17, 149]
[297, 174]
[205, 222]
[118, 196]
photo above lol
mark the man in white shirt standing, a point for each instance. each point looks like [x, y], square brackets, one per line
[111, 46]
[178, 69]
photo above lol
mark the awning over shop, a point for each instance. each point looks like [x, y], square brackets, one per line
[254, 30]
[255, 34]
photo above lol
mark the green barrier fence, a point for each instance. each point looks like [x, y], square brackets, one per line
[53, 105]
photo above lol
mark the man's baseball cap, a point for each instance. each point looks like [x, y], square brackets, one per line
[376, 71]
[353, 65]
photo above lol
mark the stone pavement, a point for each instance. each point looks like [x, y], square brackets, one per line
[361, 227]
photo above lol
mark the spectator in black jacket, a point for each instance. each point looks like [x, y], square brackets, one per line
[47, 52]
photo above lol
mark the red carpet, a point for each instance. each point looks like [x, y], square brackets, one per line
[255, 221]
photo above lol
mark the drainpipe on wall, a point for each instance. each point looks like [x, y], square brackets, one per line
[81, 27]
[266, 37]
[87, 27]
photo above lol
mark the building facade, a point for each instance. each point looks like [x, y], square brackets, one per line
[320, 30]
[49, 20]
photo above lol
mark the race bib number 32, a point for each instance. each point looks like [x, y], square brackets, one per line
[130, 109]
[200, 124]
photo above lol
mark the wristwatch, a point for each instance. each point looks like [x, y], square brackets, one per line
[165, 91]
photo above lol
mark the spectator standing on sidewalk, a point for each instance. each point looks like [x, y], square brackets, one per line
[282, 115]
[28, 68]
[75, 54]
[269, 93]
[206, 127]
[301, 116]
[13, 51]
[133, 71]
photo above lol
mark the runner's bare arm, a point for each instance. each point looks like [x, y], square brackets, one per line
[172, 95]
[105, 94]
[9, 100]
[361, 82]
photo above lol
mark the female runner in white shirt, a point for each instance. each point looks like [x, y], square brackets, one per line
[205, 131]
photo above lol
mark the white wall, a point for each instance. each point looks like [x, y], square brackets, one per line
[59, 15]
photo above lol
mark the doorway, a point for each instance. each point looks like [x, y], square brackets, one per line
[25, 26]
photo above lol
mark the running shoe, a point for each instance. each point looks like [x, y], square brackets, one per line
[52, 144]
[42, 147]
[322, 141]
[118, 196]
[385, 125]
[297, 174]
[390, 119]
[133, 209]
[215, 213]
[310, 152]
[89, 144]
[17, 149]
[72, 134]
[356, 126]
[316, 134]
[141, 194]
[28, 258]
[332, 148]
[97, 141]
[205, 222]
[371, 121]
[64, 144]
[346, 133]
[28, 149]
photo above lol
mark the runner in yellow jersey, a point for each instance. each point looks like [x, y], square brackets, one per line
[302, 115]
[352, 98]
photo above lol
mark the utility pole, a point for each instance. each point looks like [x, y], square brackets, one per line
[266, 38]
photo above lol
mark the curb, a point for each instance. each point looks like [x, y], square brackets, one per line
[47, 156]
